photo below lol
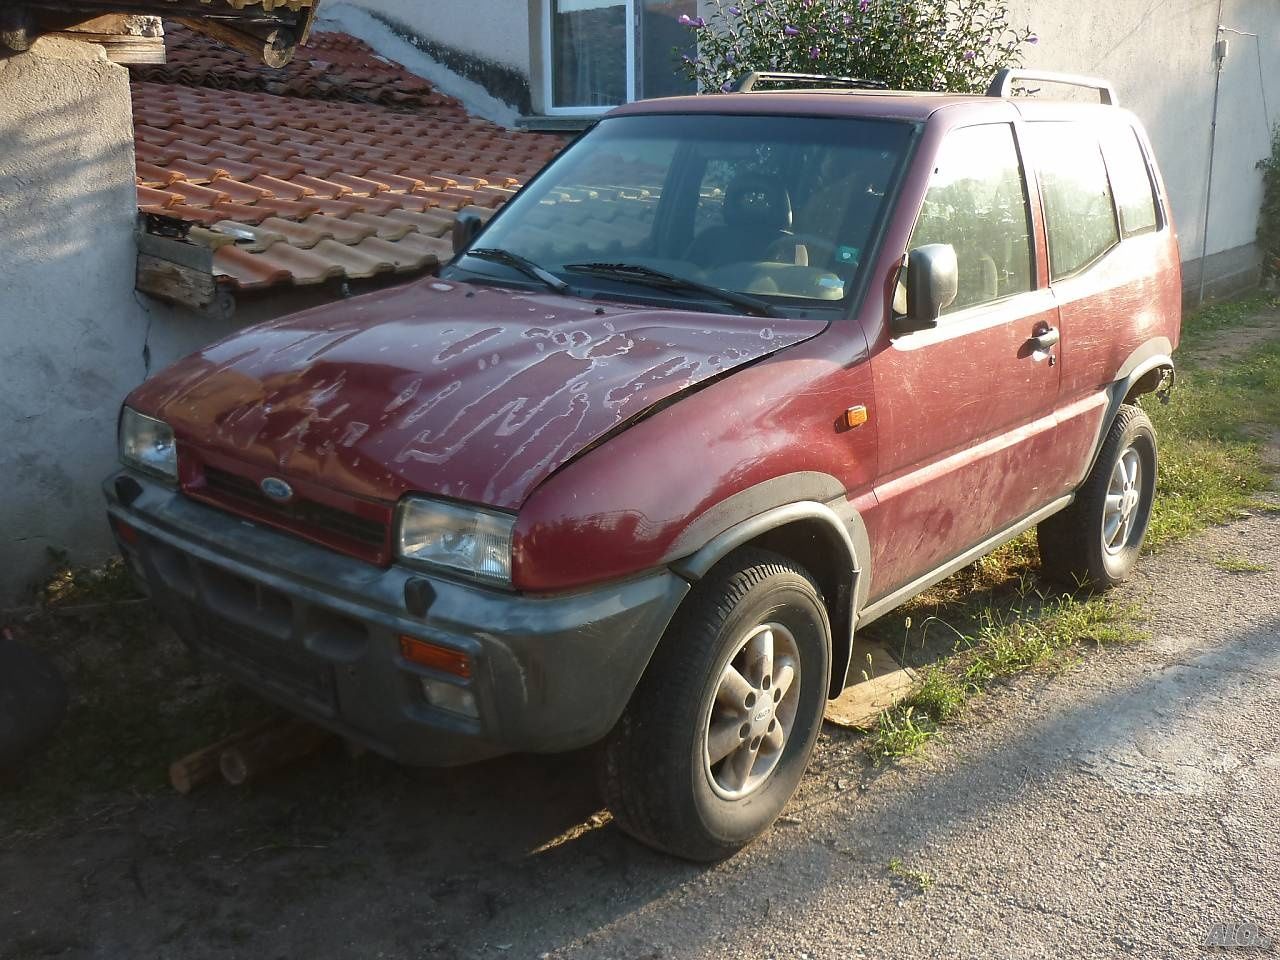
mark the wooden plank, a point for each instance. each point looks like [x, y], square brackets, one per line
[887, 682]
[180, 284]
[203, 765]
[276, 747]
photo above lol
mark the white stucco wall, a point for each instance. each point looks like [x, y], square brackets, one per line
[497, 30]
[1160, 57]
[72, 329]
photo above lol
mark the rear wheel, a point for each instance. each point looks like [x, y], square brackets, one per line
[718, 733]
[1095, 542]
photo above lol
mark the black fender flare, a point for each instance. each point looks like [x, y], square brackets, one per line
[846, 544]
[1156, 355]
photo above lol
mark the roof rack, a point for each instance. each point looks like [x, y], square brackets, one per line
[747, 82]
[1002, 85]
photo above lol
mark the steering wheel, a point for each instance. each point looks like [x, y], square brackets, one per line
[783, 250]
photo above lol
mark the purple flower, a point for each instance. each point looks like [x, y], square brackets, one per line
[864, 5]
[790, 31]
[1033, 39]
[814, 53]
[968, 54]
[736, 11]
[688, 21]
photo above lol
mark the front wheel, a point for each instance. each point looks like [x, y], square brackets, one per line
[1095, 541]
[718, 733]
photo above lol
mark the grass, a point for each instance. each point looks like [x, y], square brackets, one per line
[136, 701]
[1233, 564]
[918, 879]
[993, 620]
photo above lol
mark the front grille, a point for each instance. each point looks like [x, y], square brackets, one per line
[312, 519]
[267, 659]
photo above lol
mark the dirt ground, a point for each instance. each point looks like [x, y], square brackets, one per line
[1120, 807]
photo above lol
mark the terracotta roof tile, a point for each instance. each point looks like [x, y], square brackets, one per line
[342, 164]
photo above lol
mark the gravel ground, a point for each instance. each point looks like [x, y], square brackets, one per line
[1122, 807]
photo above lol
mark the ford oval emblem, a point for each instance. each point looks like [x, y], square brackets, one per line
[276, 489]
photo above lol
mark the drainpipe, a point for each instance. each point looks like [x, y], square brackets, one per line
[1220, 56]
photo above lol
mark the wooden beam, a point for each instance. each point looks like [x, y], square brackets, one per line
[180, 284]
[271, 749]
[275, 49]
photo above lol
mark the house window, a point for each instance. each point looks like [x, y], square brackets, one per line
[601, 53]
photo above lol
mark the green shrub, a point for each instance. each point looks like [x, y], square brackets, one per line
[952, 45]
[1269, 217]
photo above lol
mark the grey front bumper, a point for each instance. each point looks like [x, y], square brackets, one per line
[319, 633]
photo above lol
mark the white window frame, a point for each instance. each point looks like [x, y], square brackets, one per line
[548, 63]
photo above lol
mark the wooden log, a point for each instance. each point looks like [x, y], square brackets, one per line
[281, 745]
[203, 765]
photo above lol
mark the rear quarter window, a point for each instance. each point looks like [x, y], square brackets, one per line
[1131, 181]
[1080, 215]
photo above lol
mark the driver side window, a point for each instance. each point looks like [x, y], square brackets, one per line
[977, 203]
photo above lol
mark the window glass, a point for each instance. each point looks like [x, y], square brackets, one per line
[1080, 217]
[588, 52]
[663, 39]
[977, 202]
[1131, 181]
[775, 207]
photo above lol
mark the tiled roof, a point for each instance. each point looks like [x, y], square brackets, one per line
[342, 164]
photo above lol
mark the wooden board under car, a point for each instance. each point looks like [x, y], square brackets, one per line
[887, 682]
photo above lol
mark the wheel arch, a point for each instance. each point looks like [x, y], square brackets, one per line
[828, 539]
[1143, 372]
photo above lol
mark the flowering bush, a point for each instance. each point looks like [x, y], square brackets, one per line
[953, 45]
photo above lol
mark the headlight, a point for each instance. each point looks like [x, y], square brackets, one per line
[468, 540]
[147, 445]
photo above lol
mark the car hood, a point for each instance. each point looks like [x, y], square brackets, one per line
[475, 393]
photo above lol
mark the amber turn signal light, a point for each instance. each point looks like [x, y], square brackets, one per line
[436, 657]
[855, 416]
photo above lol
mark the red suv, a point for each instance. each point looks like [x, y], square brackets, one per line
[734, 376]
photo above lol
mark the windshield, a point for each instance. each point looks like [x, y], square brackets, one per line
[782, 209]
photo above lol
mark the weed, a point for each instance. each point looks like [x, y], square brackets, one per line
[1233, 564]
[921, 880]
[899, 732]
[940, 696]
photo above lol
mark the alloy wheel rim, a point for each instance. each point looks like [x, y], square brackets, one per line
[753, 713]
[1124, 497]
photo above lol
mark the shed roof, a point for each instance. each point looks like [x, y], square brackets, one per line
[340, 165]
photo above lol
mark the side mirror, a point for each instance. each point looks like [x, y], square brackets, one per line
[933, 280]
[465, 229]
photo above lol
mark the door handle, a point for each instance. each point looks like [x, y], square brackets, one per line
[1045, 339]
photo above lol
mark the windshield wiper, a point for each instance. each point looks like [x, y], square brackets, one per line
[639, 273]
[523, 264]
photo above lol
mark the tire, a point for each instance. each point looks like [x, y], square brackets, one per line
[1084, 545]
[654, 767]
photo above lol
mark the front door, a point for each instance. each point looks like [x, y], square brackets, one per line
[966, 410]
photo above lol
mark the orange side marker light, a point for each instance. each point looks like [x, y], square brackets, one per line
[855, 416]
[436, 657]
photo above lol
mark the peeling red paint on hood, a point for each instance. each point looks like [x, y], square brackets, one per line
[469, 392]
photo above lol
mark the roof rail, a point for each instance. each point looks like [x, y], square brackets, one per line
[747, 82]
[1002, 85]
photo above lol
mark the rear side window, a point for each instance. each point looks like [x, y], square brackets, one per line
[1131, 181]
[1079, 212]
[977, 202]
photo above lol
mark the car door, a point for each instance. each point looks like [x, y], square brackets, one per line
[966, 410]
[1109, 263]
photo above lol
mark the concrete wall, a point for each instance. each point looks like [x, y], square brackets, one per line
[72, 329]
[1160, 56]
[485, 28]
[480, 51]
